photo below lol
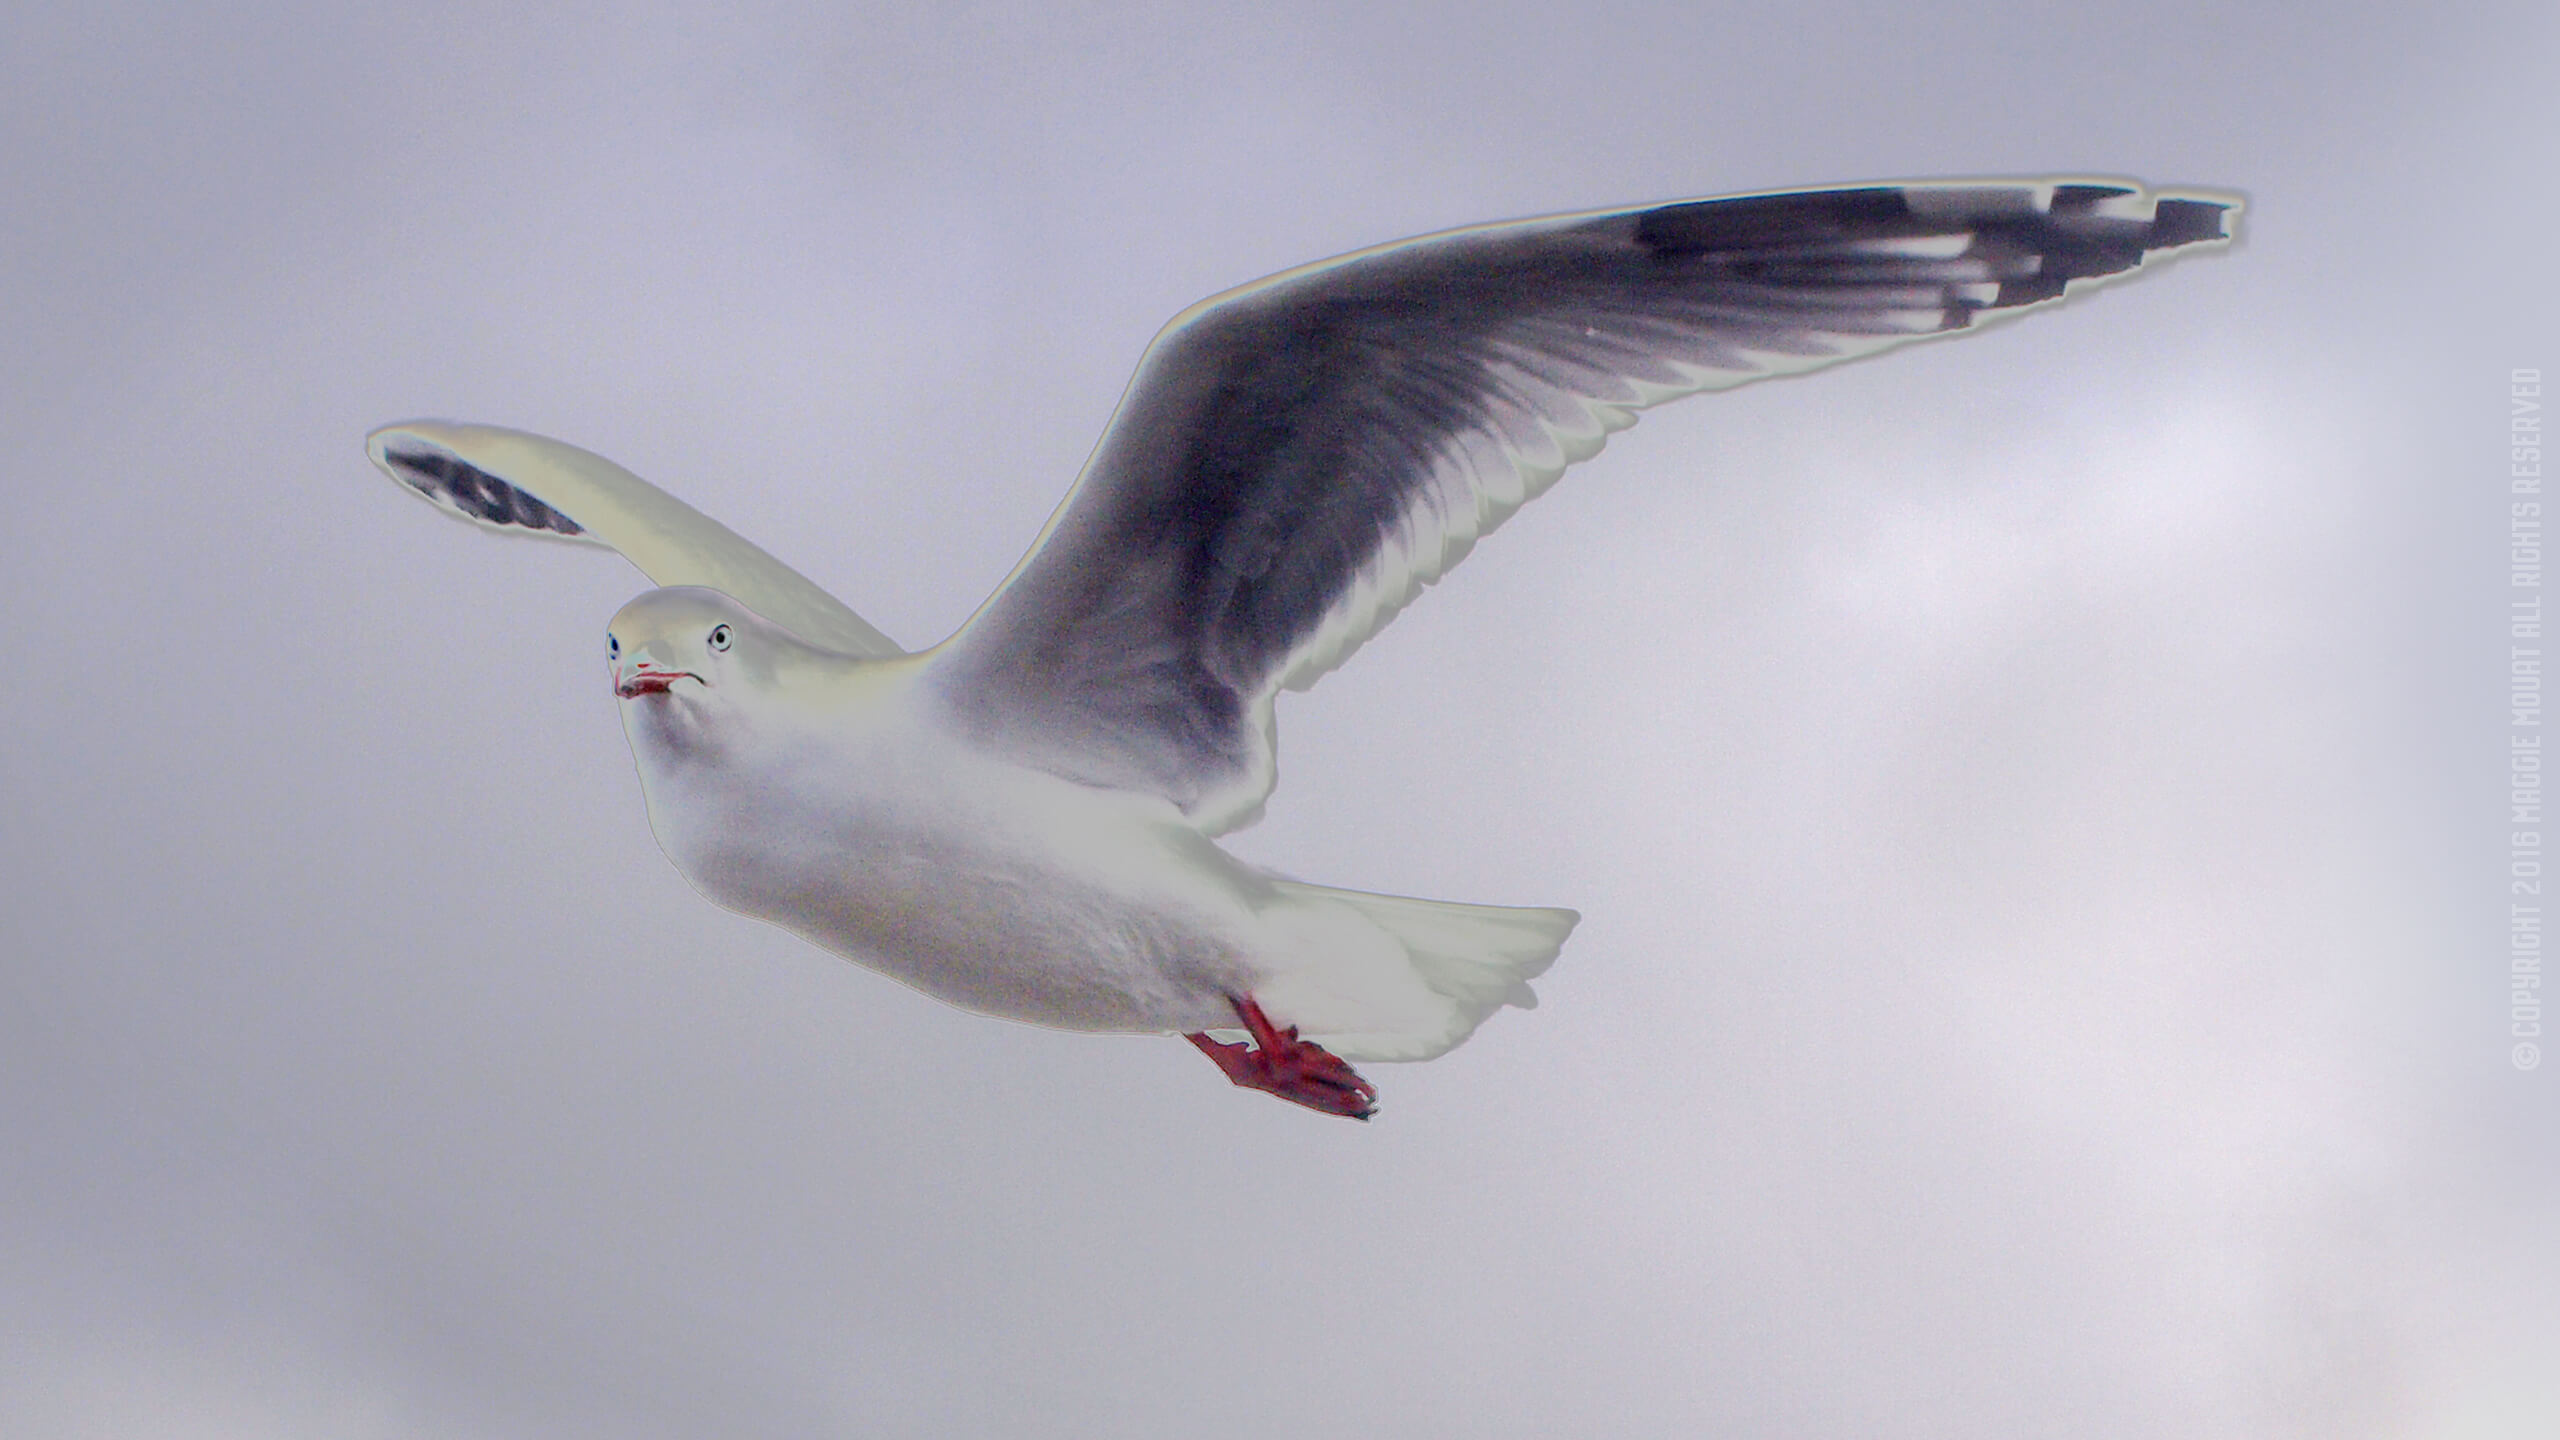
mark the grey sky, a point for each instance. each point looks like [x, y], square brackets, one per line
[2034, 798]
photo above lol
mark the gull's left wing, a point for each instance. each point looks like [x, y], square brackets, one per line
[1296, 459]
[527, 485]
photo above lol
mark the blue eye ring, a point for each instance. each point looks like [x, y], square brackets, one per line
[719, 637]
[613, 645]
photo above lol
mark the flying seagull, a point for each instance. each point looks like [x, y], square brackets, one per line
[1021, 820]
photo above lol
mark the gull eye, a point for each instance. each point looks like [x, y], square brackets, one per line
[719, 637]
[613, 646]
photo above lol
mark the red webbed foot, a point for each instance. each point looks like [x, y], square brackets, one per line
[1293, 1069]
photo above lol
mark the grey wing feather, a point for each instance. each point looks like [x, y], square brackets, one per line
[1296, 459]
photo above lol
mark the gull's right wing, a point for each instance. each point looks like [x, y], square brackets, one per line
[528, 485]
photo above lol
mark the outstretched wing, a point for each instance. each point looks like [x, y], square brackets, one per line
[1296, 459]
[509, 480]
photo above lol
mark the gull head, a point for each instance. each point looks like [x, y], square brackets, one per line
[691, 667]
[682, 640]
[691, 651]
[705, 681]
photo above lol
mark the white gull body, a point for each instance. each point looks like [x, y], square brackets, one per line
[1022, 820]
[839, 801]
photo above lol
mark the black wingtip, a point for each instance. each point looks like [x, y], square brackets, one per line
[2176, 222]
[469, 490]
[1744, 222]
[2079, 199]
[2086, 228]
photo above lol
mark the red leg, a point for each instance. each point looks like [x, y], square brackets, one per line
[1291, 1068]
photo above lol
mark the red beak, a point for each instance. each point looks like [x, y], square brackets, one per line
[651, 682]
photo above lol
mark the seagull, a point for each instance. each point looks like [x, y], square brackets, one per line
[1023, 820]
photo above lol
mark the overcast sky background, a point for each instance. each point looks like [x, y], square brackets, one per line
[2034, 799]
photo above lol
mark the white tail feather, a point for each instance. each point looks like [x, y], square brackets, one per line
[1477, 958]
